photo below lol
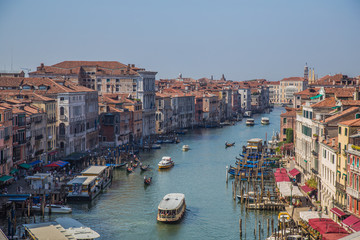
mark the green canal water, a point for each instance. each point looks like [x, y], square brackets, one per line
[127, 209]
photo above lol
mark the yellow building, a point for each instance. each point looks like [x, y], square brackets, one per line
[345, 130]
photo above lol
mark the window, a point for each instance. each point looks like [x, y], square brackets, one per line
[117, 80]
[346, 130]
[332, 158]
[62, 129]
[284, 121]
[62, 111]
[339, 130]
[284, 131]
[310, 115]
[108, 80]
[357, 116]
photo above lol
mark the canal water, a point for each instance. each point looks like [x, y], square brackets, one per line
[127, 210]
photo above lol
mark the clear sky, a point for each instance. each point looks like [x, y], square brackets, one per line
[243, 39]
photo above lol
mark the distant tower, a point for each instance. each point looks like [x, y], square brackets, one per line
[313, 75]
[180, 75]
[223, 78]
[212, 77]
[306, 72]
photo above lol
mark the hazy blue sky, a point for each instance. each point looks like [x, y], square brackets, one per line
[244, 39]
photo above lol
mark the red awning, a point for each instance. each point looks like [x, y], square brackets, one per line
[326, 225]
[282, 179]
[350, 221]
[337, 212]
[306, 188]
[294, 172]
[355, 227]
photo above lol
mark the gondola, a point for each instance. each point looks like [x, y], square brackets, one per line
[147, 181]
[229, 144]
[129, 169]
[144, 168]
[135, 165]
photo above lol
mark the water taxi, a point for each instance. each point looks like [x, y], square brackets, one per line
[171, 208]
[54, 208]
[185, 148]
[265, 121]
[250, 122]
[90, 183]
[166, 162]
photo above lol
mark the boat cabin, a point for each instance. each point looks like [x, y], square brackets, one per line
[82, 187]
[171, 208]
[254, 145]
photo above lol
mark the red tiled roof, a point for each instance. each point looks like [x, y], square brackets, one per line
[293, 79]
[351, 123]
[326, 103]
[343, 113]
[350, 103]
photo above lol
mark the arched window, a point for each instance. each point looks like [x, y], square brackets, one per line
[62, 129]
[62, 111]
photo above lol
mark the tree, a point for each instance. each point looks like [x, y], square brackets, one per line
[289, 135]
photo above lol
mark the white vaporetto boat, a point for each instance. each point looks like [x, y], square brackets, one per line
[166, 162]
[171, 208]
[54, 208]
[250, 122]
[265, 121]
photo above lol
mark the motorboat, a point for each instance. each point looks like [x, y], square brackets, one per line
[185, 148]
[55, 208]
[166, 162]
[171, 208]
[265, 121]
[250, 122]
[229, 144]
[250, 197]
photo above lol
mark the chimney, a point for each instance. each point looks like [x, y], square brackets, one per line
[132, 65]
[333, 142]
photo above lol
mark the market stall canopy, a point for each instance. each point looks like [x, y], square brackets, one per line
[25, 166]
[294, 172]
[57, 164]
[5, 178]
[35, 162]
[306, 188]
[14, 170]
[350, 221]
[285, 189]
[307, 215]
[337, 212]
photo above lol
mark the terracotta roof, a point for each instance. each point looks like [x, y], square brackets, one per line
[350, 102]
[105, 64]
[330, 143]
[293, 79]
[273, 82]
[343, 113]
[326, 103]
[340, 92]
[331, 80]
[310, 92]
[288, 114]
[351, 123]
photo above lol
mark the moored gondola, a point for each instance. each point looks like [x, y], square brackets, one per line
[129, 169]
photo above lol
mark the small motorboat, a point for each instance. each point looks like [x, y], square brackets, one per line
[169, 141]
[229, 144]
[185, 148]
[129, 169]
[144, 168]
[156, 146]
[147, 181]
[250, 197]
[166, 162]
[55, 208]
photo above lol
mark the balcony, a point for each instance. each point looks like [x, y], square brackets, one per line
[63, 118]
[340, 187]
[354, 169]
[352, 192]
[38, 137]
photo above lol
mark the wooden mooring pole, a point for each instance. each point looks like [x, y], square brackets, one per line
[240, 226]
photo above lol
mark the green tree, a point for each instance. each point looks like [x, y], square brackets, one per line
[289, 135]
